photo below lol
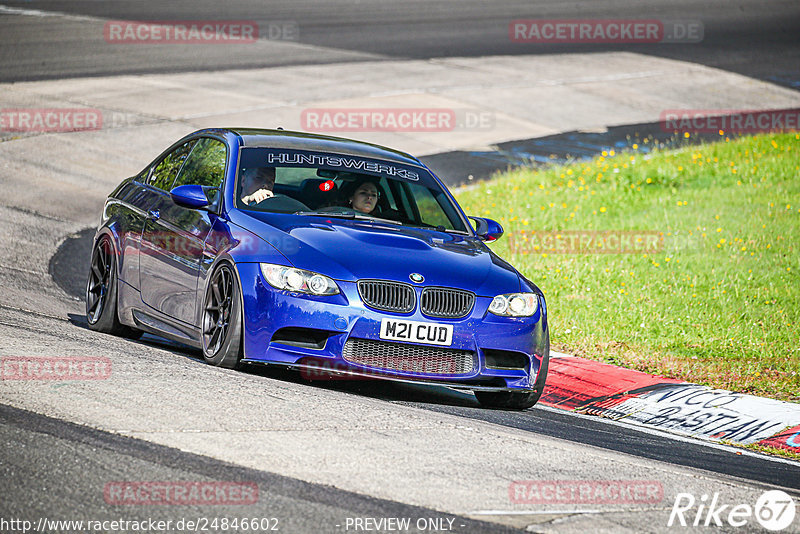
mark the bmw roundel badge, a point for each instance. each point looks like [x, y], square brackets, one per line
[416, 278]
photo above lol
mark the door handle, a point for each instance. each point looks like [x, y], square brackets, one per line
[153, 215]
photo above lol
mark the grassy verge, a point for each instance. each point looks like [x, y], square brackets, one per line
[715, 301]
[769, 450]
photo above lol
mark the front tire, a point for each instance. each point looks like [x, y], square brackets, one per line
[101, 292]
[222, 319]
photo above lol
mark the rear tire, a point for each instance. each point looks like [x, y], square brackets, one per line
[518, 400]
[101, 292]
[222, 319]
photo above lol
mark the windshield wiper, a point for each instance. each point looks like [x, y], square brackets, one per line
[347, 215]
[374, 219]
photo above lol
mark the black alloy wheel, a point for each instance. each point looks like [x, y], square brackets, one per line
[99, 278]
[101, 292]
[222, 319]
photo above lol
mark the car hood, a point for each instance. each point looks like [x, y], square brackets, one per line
[351, 250]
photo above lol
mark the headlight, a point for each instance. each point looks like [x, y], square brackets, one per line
[291, 279]
[515, 305]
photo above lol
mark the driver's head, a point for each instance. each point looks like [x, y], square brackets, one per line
[365, 197]
[256, 178]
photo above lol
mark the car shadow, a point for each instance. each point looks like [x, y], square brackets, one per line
[150, 340]
[373, 388]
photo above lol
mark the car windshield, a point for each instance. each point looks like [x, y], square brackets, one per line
[309, 184]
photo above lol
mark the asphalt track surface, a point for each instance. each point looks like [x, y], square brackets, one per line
[66, 271]
[69, 463]
[65, 462]
[744, 36]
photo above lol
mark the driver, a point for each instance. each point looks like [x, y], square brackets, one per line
[257, 184]
[362, 195]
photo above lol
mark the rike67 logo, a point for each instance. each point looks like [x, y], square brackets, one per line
[774, 510]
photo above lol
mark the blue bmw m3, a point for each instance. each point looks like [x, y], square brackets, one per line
[315, 252]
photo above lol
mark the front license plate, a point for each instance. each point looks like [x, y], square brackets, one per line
[416, 331]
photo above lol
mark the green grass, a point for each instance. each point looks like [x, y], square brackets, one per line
[717, 304]
[784, 453]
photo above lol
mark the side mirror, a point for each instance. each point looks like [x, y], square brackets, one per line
[190, 196]
[487, 229]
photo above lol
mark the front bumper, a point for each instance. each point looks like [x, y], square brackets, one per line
[310, 333]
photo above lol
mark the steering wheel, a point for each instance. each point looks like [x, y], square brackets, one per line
[281, 202]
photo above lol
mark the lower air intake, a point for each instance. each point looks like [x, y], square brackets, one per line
[408, 358]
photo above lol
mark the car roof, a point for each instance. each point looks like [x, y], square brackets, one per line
[252, 137]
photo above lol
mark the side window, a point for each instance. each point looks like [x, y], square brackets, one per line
[165, 170]
[430, 209]
[206, 164]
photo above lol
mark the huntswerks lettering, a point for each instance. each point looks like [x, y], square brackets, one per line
[339, 161]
